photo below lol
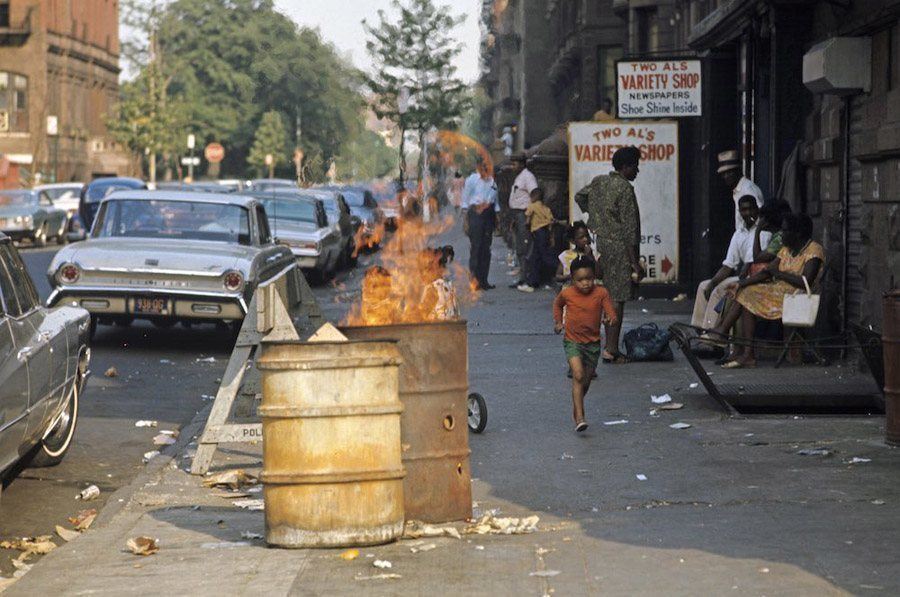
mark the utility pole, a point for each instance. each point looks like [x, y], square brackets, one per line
[298, 150]
[402, 108]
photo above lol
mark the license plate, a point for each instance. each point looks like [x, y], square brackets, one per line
[151, 306]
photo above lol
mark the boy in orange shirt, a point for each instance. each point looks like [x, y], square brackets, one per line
[586, 306]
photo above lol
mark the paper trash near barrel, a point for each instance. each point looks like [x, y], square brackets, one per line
[332, 470]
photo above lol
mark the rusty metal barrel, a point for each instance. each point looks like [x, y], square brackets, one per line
[891, 346]
[332, 472]
[434, 386]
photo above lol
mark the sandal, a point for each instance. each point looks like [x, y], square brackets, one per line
[616, 359]
[581, 426]
[736, 364]
[707, 338]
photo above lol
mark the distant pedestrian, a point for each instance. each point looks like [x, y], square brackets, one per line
[480, 204]
[616, 220]
[579, 309]
[579, 238]
[519, 200]
[454, 193]
[541, 260]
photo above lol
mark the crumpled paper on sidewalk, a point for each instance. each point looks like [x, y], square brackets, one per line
[143, 546]
[30, 545]
[492, 525]
[235, 479]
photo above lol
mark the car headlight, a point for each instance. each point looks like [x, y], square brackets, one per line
[233, 281]
[23, 220]
[68, 273]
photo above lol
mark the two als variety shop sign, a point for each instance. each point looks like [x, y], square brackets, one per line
[591, 147]
[658, 88]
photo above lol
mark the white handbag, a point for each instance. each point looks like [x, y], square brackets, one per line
[800, 310]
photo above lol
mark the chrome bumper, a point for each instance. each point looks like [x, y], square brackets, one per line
[183, 304]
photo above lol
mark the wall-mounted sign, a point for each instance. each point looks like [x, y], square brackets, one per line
[591, 147]
[659, 88]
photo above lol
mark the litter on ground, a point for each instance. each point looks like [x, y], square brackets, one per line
[382, 564]
[858, 460]
[142, 546]
[641, 477]
[664, 399]
[66, 534]
[254, 505]
[148, 456]
[111, 372]
[814, 452]
[544, 573]
[91, 492]
[146, 423]
[680, 426]
[234, 479]
[619, 422]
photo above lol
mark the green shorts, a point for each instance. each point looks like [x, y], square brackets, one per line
[588, 352]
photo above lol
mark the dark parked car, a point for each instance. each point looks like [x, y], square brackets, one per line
[44, 357]
[93, 194]
[365, 211]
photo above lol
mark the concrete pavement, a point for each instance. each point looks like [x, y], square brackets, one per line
[728, 506]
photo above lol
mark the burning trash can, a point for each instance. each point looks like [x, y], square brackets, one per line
[434, 383]
[332, 471]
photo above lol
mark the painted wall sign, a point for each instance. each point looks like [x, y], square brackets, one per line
[659, 88]
[591, 147]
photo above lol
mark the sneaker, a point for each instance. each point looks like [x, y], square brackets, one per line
[582, 426]
[524, 288]
[547, 287]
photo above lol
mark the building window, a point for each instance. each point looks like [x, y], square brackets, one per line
[606, 73]
[13, 103]
[647, 30]
[4, 14]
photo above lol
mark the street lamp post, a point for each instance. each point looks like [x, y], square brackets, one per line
[53, 131]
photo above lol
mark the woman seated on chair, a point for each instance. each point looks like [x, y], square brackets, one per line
[762, 294]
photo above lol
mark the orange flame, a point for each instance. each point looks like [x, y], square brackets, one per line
[412, 285]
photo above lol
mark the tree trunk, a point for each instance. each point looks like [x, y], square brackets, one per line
[402, 153]
[152, 167]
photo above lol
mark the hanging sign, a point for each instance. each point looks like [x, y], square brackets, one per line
[591, 147]
[658, 88]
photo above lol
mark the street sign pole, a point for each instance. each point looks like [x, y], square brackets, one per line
[191, 141]
[53, 131]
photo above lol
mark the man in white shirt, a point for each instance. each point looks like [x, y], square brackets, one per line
[740, 253]
[730, 171]
[519, 199]
[479, 202]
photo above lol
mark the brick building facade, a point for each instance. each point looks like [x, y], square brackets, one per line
[58, 58]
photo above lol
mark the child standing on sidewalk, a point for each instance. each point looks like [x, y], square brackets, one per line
[540, 259]
[580, 309]
[577, 234]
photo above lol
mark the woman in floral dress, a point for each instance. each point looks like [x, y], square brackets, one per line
[762, 294]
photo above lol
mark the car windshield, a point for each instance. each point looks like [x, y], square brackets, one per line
[355, 198]
[97, 192]
[174, 219]
[59, 194]
[290, 210]
[17, 198]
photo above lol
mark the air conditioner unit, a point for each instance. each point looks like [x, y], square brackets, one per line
[839, 66]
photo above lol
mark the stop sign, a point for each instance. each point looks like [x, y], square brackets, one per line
[214, 153]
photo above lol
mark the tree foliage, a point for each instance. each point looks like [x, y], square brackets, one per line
[414, 49]
[233, 60]
[271, 139]
[365, 157]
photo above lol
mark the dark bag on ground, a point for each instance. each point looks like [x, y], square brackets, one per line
[648, 343]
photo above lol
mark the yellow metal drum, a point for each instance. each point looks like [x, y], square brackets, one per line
[332, 470]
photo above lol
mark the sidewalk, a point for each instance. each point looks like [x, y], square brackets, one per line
[728, 506]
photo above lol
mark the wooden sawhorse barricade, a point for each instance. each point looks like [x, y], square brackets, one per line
[281, 308]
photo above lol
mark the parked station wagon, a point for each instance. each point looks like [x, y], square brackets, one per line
[169, 256]
[30, 214]
[44, 357]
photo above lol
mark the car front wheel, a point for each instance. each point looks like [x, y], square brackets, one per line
[58, 438]
[40, 236]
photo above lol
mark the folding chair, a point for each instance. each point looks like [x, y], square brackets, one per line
[797, 336]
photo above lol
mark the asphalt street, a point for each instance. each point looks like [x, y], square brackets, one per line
[163, 375]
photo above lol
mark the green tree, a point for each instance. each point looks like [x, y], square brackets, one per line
[271, 140]
[365, 157]
[233, 60]
[414, 50]
[147, 119]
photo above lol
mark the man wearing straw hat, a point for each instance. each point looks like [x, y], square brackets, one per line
[740, 185]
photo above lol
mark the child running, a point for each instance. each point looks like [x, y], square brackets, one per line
[583, 307]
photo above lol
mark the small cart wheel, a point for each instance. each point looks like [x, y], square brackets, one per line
[477, 412]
